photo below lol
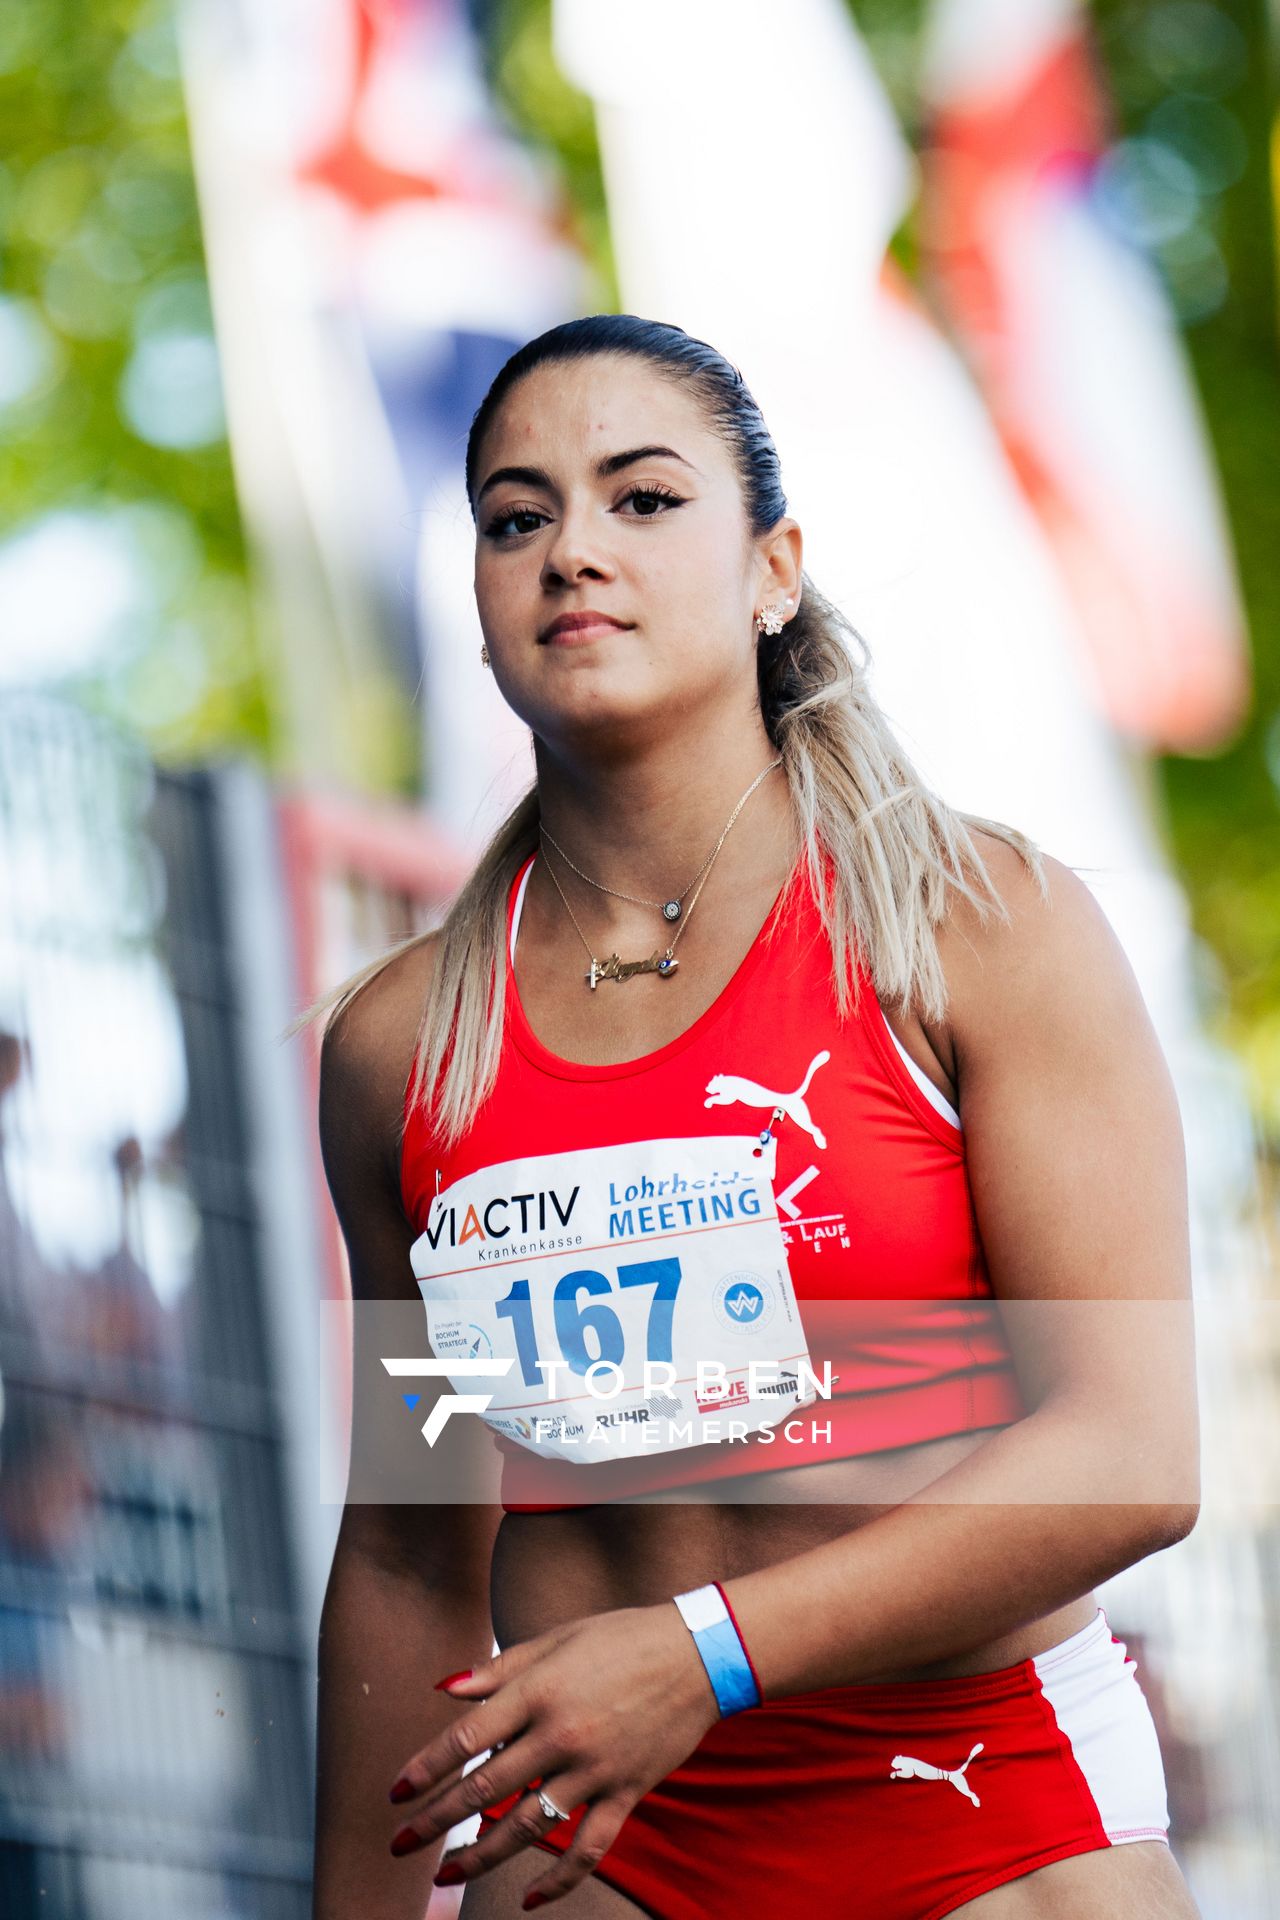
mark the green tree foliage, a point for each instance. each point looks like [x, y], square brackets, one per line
[547, 109]
[110, 405]
[1196, 79]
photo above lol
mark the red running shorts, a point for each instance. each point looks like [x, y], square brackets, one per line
[909, 1798]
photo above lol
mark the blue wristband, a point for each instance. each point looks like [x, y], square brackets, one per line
[705, 1612]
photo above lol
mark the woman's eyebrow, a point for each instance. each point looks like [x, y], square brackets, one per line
[611, 464]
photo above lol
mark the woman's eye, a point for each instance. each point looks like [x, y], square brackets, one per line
[497, 527]
[660, 494]
[651, 503]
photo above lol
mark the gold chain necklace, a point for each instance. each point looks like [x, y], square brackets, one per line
[670, 909]
[663, 964]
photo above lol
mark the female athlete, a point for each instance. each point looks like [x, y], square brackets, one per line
[740, 1046]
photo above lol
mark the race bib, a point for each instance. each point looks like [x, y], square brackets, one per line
[633, 1299]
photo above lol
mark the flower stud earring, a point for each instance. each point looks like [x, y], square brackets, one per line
[771, 619]
[484, 655]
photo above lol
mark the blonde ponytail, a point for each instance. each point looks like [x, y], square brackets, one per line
[883, 855]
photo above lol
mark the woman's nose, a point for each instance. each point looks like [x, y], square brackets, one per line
[577, 547]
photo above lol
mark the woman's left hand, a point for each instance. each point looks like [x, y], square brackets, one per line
[597, 1711]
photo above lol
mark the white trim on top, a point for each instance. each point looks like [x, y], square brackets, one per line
[932, 1094]
[515, 917]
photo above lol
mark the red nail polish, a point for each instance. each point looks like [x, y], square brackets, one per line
[451, 1678]
[406, 1841]
[403, 1789]
[531, 1901]
[449, 1876]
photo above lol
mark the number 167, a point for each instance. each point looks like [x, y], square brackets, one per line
[574, 1319]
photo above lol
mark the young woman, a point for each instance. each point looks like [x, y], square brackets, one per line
[738, 1034]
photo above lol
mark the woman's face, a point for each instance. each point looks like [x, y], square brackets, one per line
[656, 541]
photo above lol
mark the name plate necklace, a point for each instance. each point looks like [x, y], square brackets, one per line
[662, 963]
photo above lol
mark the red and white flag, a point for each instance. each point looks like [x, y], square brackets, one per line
[1072, 339]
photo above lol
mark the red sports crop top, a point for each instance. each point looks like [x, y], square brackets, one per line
[871, 1188]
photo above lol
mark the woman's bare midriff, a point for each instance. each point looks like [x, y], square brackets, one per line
[549, 1568]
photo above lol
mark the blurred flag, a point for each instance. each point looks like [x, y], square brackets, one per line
[379, 244]
[914, 520]
[1071, 337]
[744, 121]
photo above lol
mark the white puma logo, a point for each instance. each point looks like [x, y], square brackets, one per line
[725, 1088]
[905, 1768]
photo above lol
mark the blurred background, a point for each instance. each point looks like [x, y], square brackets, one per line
[1002, 275]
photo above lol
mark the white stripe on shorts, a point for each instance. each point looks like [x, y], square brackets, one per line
[1092, 1687]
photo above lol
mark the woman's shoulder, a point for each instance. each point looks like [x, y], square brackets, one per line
[1044, 904]
[1047, 960]
[366, 1056]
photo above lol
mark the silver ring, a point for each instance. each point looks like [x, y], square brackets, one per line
[550, 1808]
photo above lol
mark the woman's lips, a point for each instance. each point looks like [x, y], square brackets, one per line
[579, 636]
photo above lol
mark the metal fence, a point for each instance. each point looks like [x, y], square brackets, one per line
[154, 1659]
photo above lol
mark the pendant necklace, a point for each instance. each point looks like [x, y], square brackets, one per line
[665, 963]
[670, 909]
